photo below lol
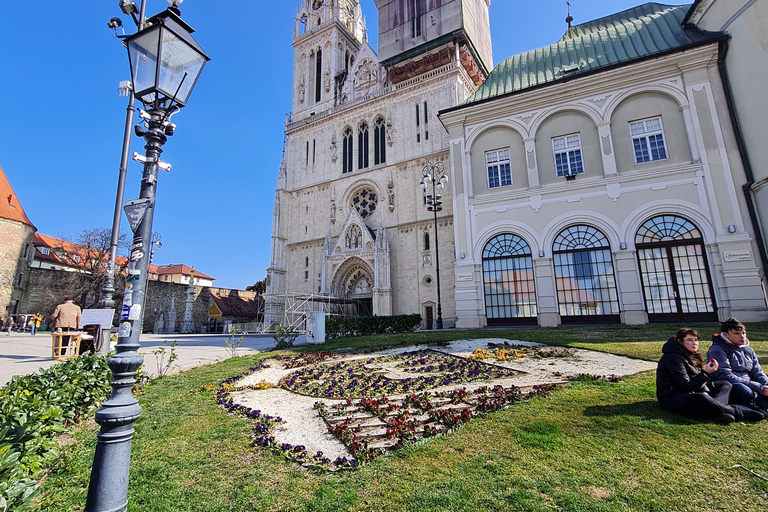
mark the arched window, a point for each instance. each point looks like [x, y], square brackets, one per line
[306, 261]
[508, 281]
[379, 142]
[362, 146]
[586, 285]
[318, 74]
[346, 163]
[674, 271]
[426, 241]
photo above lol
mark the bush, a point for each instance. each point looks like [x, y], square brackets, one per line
[284, 337]
[366, 325]
[16, 490]
[34, 408]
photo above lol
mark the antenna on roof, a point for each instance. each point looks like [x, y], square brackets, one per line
[569, 18]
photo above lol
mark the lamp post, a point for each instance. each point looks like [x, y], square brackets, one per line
[165, 64]
[435, 177]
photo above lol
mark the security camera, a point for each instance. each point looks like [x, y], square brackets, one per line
[115, 23]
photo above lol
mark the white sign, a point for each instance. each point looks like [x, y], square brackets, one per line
[135, 312]
[464, 277]
[743, 255]
[135, 210]
[102, 317]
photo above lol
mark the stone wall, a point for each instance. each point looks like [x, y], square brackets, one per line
[17, 242]
[43, 293]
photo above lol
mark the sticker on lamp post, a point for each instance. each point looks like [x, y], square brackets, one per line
[135, 209]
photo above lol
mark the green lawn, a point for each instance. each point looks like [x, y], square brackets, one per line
[585, 447]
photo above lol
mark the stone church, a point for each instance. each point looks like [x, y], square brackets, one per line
[350, 221]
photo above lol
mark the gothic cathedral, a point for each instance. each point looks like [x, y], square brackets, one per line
[350, 221]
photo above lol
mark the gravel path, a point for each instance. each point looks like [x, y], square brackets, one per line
[303, 426]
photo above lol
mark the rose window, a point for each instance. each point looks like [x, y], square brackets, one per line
[365, 202]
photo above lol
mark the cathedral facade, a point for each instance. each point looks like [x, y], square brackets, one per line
[350, 221]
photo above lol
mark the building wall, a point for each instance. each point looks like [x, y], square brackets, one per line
[746, 65]
[699, 181]
[17, 243]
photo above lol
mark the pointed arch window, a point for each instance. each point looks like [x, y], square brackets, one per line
[379, 142]
[426, 241]
[347, 151]
[362, 146]
[584, 275]
[508, 281]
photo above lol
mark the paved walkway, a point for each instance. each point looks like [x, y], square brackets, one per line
[22, 353]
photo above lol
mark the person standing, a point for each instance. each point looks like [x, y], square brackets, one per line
[9, 325]
[34, 323]
[66, 315]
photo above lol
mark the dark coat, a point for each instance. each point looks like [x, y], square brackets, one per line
[738, 364]
[676, 377]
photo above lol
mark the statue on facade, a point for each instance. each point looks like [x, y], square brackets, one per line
[301, 90]
[334, 156]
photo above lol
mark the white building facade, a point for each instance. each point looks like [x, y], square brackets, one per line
[598, 180]
[350, 221]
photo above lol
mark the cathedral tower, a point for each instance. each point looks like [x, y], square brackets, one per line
[350, 224]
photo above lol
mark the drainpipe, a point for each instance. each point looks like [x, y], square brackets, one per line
[748, 186]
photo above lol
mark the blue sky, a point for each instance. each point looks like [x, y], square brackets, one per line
[63, 120]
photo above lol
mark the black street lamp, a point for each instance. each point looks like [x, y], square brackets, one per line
[165, 64]
[435, 177]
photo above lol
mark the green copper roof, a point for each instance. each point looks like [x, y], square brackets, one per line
[643, 31]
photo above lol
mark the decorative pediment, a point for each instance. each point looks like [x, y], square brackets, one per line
[355, 236]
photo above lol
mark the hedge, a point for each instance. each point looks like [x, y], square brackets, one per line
[364, 325]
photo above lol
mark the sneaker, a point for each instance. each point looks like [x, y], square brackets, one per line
[751, 414]
[725, 418]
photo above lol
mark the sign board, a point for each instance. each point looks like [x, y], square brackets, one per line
[739, 255]
[214, 312]
[135, 209]
[102, 317]
[464, 276]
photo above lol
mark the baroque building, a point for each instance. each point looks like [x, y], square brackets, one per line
[350, 222]
[600, 179]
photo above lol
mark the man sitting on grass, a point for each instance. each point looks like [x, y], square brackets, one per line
[739, 365]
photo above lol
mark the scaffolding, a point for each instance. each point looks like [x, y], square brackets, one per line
[292, 309]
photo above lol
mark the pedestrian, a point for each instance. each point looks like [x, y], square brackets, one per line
[66, 315]
[10, 325]
[34, 323]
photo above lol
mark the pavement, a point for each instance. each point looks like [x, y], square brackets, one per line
[22, 353]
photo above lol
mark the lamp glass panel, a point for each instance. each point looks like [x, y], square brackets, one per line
[181, 65]
[143, 52]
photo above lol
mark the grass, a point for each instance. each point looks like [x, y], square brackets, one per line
[586, 447]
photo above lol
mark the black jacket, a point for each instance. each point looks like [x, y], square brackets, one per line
[676, 377]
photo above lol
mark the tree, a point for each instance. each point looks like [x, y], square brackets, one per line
[85, 258]
[258, 287]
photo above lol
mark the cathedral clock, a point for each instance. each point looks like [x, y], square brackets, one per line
[316, 4]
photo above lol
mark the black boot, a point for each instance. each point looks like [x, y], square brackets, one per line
[748, 414]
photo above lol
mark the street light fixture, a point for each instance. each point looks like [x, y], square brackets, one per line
[434, 179]
[165, 64]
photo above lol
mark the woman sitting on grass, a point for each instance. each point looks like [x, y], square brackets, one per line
[683, 383]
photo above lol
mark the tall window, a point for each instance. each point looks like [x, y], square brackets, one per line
[648, 140]
[417, 10]
[586, 285]
[508, 280]
[346, 161]
[426, 121]
[673, 270]
[362, 146]
[499, 173]
[379, 142]
[568, 155]
[426, 241]
[318, 74]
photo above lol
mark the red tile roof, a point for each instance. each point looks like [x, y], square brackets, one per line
[234, 305]
[182, 269]
[10, 207]
[39, 241]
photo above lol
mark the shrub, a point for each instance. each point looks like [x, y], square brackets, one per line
[284, 337]
[34, 408]
[366, 325]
